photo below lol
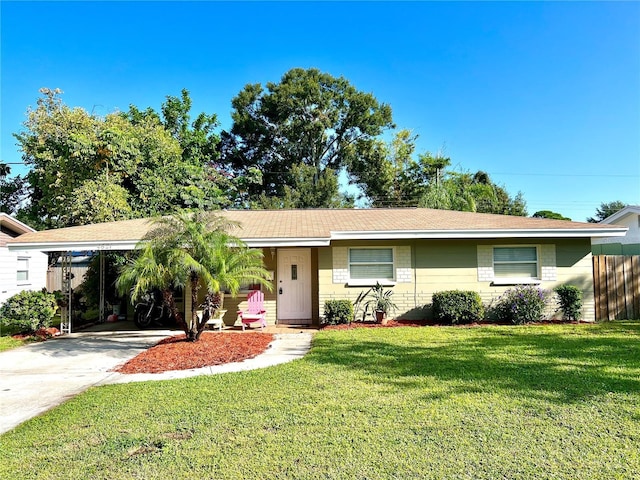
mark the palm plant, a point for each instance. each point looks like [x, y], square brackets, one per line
[375, 302]
[195, 250]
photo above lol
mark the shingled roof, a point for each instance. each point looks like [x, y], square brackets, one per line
[264, 228]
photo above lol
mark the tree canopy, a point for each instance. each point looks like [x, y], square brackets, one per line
[86, 168]
[549, 214]
[292, 144]
[391, 177]
[605, 210]
[308, 127]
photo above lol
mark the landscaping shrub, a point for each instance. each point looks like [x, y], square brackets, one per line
[569, 301]
[338, 311]
[457, 306]
[522, 304]
[29, 310]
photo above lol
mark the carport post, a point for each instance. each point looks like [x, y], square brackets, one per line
[65, 308]
[102, 273]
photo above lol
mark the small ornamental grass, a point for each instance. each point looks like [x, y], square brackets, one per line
[522, 304]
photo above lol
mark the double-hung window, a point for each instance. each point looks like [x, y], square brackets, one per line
[371, 264]
[22, 272]
[516, 263]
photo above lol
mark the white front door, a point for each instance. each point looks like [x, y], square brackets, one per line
[294, 284]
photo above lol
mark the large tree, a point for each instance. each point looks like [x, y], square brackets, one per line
[387, 174]
[86, 168]
[606, 209]
[309, 120]
[195, 250]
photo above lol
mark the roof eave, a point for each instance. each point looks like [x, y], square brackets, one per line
[73, 246]
[60, 246]
[628, 210]
[133, 244]
[15, 224]
[286, 242]
[473, 234]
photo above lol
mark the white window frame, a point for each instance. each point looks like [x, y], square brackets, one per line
[497, 280]
[372, 281]
[22, 281]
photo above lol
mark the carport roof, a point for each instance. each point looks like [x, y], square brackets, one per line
[279, 228]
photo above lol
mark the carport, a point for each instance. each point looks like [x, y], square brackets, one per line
[125, 235]
[111, 236]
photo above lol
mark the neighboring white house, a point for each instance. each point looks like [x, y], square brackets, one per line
[629, 217]
[19, 269]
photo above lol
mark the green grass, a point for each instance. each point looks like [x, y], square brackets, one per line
[7, 342]
[481, 403]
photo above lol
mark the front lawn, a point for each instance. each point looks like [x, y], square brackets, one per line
[556, 401]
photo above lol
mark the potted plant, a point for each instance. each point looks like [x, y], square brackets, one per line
[375, 302]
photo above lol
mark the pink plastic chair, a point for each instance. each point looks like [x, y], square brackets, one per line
[255, 311]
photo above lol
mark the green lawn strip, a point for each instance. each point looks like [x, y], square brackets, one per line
[495, 402]
[7, 342]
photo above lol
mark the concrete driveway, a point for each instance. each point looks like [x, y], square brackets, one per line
[40, 376]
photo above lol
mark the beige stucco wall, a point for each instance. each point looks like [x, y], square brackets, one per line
[424, 267]
[437, 265]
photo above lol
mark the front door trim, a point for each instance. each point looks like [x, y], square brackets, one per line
[293, 289]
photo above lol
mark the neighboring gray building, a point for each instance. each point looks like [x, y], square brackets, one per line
[629, 217]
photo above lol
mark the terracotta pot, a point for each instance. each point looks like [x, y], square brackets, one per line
[380, 317]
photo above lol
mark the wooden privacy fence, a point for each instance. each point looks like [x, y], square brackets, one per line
[54, 277]
[616, 282]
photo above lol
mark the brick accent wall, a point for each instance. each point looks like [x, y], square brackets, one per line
[485, 263]
[404, 272]
[340, 265]
[549, 271]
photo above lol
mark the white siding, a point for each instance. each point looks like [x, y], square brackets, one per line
[9, 285]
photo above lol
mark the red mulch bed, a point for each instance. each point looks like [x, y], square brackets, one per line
[174, 353]
[432, 323]
[390, 323]
[40, 335]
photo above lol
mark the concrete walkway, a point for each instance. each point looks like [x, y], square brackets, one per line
[40, 376]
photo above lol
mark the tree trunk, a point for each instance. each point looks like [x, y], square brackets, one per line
[212, 303]
[195, 326]
[170, 303]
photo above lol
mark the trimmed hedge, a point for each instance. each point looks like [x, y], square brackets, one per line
[457, 306]
[338, 311]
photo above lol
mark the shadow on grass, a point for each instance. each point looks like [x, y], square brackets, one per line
[564, 364]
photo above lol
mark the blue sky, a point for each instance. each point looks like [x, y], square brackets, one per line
[545, 97]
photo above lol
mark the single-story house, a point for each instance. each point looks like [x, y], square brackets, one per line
[317, 255]
[20, 269]
[629, 244]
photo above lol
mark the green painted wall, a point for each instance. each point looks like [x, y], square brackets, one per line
[439, 265]
[616, 249]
